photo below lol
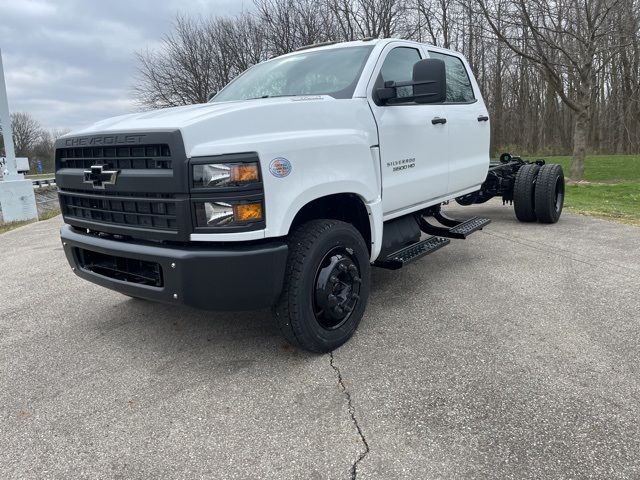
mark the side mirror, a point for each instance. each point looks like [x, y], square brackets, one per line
[429, 85]
[429, 81]
[211, 95]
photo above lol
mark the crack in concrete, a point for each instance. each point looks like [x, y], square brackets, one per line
[354, 420]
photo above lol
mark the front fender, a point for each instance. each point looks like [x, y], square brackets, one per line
[322, 162]
[357, 175]
[330, 145]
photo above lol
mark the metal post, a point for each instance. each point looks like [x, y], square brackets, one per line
[7, 132]
[17, 200]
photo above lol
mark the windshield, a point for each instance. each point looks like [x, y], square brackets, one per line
[333, 71]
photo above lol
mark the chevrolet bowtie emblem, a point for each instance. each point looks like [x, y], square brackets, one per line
[99, 177]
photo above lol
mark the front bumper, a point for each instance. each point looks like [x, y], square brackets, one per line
[218, 277]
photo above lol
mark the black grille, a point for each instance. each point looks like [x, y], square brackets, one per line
[150, 196]
[111, 193]
[134, 210]
[120, 268]
[122, 158]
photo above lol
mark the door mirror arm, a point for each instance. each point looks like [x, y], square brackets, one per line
[388, 95]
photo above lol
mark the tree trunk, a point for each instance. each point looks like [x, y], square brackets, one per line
[580, 136]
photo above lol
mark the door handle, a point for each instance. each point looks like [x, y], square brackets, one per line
[483, 118]
[439, 121]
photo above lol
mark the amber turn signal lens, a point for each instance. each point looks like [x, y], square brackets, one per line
[247, 212]
[246, 172]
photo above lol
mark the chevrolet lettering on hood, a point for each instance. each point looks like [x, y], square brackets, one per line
[105, 140]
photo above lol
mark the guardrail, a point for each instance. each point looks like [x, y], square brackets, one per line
[44, 182]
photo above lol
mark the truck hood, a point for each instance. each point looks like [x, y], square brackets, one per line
[226, 127]
[162, 119]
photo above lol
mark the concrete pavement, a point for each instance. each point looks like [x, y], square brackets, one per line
[513, 354]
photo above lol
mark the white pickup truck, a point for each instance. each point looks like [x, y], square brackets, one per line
[290, 184]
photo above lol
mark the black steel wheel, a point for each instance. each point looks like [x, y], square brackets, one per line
[337, 288]
[326, 285]
[549, 195]
[524, 193]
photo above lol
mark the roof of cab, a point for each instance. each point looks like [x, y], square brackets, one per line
[355, 43]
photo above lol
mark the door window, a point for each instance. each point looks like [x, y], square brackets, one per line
[459, 89]
[398, 67]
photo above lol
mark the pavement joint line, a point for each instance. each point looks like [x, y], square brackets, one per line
[560, 253]
[352, 413]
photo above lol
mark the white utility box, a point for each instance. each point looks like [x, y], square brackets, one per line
[22, 164]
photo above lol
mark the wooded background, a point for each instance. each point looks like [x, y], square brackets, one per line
[33, 141]
[559, 77]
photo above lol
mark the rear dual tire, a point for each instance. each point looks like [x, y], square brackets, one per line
[538, 193]
[549, 197]
[524, 193]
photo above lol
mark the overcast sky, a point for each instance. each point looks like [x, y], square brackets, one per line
[70, 63]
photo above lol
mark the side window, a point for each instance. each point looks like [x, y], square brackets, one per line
[459, 89]
[398, 67]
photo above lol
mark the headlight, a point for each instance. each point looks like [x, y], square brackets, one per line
[225, 174]
[223, 214]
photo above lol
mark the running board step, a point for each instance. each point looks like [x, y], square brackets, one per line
[472, 225]
[457, 229]
[411, 253]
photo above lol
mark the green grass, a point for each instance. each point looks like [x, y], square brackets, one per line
[611, 188]
[605, 168]
[618, 202]
[39, 176]
[5, 227]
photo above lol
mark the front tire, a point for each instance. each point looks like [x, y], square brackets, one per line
[327, 281]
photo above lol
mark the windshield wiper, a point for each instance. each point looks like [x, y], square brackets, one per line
[273, 96]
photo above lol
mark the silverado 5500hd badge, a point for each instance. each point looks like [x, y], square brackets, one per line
[399, 165]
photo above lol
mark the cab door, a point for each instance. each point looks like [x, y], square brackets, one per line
[413, 137]
[468, 121]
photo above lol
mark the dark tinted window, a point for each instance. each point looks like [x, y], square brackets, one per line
[459, 89]
[398, 67]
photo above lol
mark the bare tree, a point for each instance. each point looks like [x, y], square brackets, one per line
[198, 58]
[27, 131]
[185, 69]
[555, 74]
[291, 24]
[44, 149]
[246, 31]
[356, 19]
[566, 38]
[434, 16]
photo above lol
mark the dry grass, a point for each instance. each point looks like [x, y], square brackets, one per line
[5, 227]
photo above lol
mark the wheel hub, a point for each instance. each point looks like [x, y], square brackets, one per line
[337, 288]
[559, 193]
